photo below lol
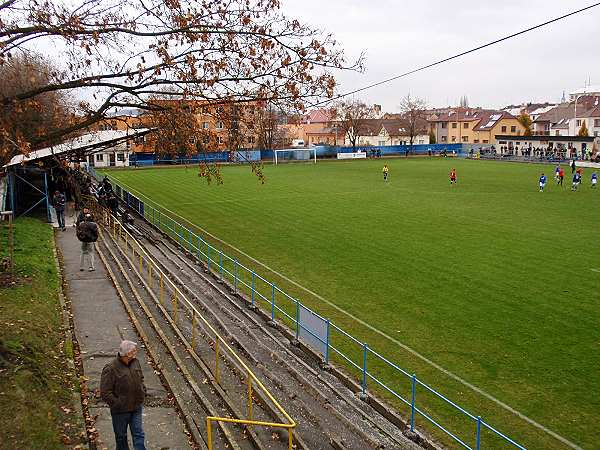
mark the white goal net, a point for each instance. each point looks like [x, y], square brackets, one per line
[294, 155]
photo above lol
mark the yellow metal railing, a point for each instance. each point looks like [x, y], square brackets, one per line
[121, 234]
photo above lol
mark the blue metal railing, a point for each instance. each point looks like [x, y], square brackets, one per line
[318, 329]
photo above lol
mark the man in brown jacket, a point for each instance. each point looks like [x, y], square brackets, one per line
[122, 387]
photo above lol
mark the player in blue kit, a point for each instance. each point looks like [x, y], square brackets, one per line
[594, 180]
[543, 181]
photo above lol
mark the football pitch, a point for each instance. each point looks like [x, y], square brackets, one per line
[490, 279]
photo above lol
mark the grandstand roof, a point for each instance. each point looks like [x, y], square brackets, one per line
[89, 143]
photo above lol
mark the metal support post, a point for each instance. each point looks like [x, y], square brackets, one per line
[46, 195]
[209, 433]
[208, 256]
[412, 402]
[297, 319]
[235, 275]
[273, 302]
[327, 330]
[478, 437]
[253, 284]
[221, 263]
[364, 374]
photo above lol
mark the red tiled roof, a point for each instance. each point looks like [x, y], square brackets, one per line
[318, 116]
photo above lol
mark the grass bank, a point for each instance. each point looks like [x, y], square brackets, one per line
[36, 381]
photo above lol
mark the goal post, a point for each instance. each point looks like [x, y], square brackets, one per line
[287, 155]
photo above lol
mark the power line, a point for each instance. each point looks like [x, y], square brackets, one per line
[489, 44]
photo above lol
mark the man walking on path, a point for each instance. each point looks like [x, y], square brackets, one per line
[87, 233]
[59, 201]
[122, 387]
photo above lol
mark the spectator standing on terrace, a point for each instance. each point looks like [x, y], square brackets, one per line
[122, 387]
[573, 166]
[81, 216]
[87, 233]
[594, 180]
[385, 172]
[543, 181]
[59, 201]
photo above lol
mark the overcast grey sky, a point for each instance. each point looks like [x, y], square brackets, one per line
[397, 36]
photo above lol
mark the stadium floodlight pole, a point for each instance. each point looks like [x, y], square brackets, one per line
[450, 58]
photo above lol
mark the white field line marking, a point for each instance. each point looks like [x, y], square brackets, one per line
[379, 332]
[595, 270]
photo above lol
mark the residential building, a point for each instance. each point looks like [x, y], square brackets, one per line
[386, 132]
[473, 126]
[493, 123]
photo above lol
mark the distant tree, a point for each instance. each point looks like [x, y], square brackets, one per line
[22, 122]
[525, 120]
[432, 139]
[270, 135]
[351, 118]
[583, 131]
[413, 111]
[122, 54]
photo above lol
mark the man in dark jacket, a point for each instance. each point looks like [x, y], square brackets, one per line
[87, 233]
[59, 201]
[122, 387]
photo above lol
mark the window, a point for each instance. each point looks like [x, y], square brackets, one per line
[251, 139]
[205, 109]
[597, 122]
[466, 125]
[444, 138]
[251, 110]
[381, 143]
[453, 138]
[220, 109]
[205, 140]
[219, 139]
[421, 141]
[219, 125]
[205, 125]
[121, 157]
[128, 145]
[513, 129]
[454, 124]
[465, 138]
[485, 141]
[192, 140]
[504, 129]
[476, 141]
[578, 122]
[444, 125]
[99, 157]
[139, 140]
[595, 134]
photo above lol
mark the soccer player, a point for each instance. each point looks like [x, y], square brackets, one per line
[556, 173]
[561, 176]
[576, 178]
[453, 176]
[543, 180]
[385, 172]
[594, 179]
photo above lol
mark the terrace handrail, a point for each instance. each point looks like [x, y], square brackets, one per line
[156, 217]
[121, 232]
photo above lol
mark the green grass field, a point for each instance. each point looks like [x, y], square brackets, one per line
[490, 279]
